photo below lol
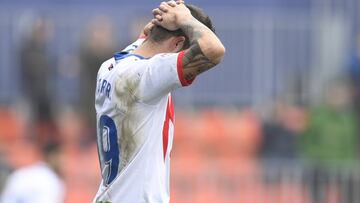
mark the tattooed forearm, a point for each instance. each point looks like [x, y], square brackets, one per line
[193, 51]
[200, 61]
[194, 31]
[195, 61]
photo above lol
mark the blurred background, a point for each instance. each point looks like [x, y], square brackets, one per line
[277, 121]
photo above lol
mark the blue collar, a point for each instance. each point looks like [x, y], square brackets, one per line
[121, 55]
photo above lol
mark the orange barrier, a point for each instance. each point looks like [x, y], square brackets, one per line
[213, 160]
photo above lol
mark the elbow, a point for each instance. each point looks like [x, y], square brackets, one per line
[218, 54]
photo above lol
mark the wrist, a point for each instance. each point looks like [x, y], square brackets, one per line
[186, 22]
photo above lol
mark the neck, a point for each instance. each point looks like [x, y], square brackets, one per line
[149, 49]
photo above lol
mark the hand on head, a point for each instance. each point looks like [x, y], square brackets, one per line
[147, 29]
[166, 15]
[170, 15]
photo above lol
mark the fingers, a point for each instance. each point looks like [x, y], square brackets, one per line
[158, 17]
[150, 26]
[156, 11]
[164, 7]
[147, 30]
[156, 22]
[157, 14]
[172, 3]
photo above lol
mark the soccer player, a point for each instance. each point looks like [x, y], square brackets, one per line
[134, 108]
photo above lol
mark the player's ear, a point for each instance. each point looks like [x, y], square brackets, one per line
[178, 43]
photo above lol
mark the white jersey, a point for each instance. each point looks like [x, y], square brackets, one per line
[135, 125]
[33, 184]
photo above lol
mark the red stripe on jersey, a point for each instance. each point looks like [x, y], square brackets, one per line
[171, 109]
[168, 117]
[180, 67]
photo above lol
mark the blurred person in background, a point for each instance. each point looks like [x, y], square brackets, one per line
[281, 133]
[36, 178]
[330, 141]
[36, 65]
[11, 126]
[280, 144]
[80, 184]
[98, 43]
[354, 73]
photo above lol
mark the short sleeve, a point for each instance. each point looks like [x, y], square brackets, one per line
[163, 74]
[180, 68]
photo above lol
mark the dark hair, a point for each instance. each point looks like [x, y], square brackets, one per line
[159, 33]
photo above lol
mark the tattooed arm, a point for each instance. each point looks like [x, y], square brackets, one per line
[205, 51]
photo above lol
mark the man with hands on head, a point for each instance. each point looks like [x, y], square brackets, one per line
[135, 114]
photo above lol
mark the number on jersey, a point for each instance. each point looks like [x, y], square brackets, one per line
[109, 151]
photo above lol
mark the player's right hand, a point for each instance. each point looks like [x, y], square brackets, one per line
[147, 30]
[170, 15]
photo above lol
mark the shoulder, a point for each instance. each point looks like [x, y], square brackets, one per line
[164, 60]
[40, 173]
[107, 65]
[164, 56]
[130, 65]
